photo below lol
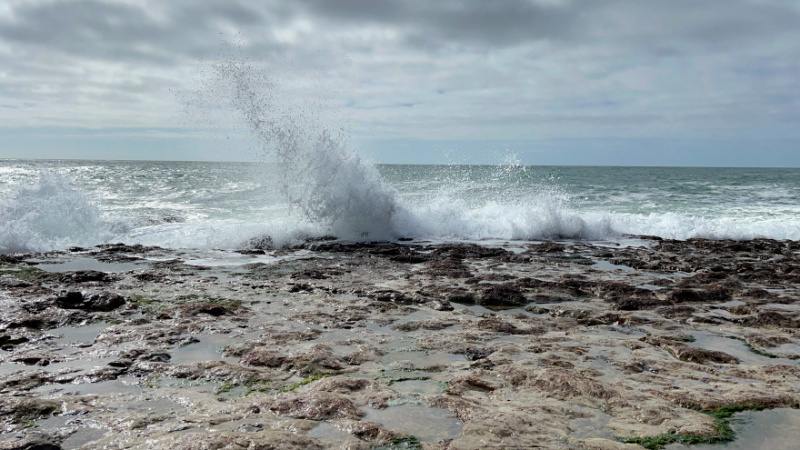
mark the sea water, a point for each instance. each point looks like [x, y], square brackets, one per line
[55, 204]
[310, 181]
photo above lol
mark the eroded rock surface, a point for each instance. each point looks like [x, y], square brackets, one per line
[336, 345]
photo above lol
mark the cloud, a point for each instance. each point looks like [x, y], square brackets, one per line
[445, 69]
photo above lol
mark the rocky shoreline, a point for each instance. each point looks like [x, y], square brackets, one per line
[404, 345]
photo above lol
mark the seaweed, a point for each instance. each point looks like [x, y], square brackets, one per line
[398, 443]
[308, 380]
[722, 429]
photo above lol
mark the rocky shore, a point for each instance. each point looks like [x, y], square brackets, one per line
[406, 345]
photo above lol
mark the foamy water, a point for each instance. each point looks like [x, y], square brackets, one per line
[47, 205]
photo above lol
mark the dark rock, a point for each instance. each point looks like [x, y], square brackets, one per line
[83, 276]
[155, 357]
[548, 247]
[449, 268]
[102, 302]
[21, 409]
[124, 248]
[316, 405]
[774, 319]
[497, 326]
[636, 303]
[262, 358]
[691, 354]
[194, 309]
[502, 295]
[315, 274]
[474, 354]
[533, 309]
[150, 277]
[388, 295]
[37, 322]
[29, 443]
[70, 300]
[8, 342]
[413, 258]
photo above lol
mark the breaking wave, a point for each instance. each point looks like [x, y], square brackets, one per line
[48, 213]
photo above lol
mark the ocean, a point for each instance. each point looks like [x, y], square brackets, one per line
[55, 204]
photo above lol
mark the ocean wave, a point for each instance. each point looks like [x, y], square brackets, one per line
[48, 213]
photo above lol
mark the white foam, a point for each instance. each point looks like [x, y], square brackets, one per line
[46, 214]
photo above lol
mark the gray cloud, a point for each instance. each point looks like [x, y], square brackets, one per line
[117, 31]
[424, 69]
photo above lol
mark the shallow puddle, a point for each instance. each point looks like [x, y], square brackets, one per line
[605, 265]
[111, 387]
[427, 423]
[208, 349]
[326, 430]
[418, 359]
[734, 347]
[83, 436]
[80, 334]
[774, 429]
[419, 387]
[594, 426]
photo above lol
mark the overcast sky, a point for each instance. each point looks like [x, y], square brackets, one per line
[610, 82]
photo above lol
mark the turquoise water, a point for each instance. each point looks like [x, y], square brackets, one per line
[55, 204]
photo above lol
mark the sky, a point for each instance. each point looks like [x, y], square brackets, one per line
[586, 82]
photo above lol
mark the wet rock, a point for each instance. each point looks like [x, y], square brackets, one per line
[250, 427]
[440, 305]
[765, 341]
[502, 295]
[449, 268]
[153, 277]
[17, 410]
[262, 358]
[263, 440]
[315, 405]
[32, 322]
[29, 443]
[389, 295]
[533, 309]
[155, 357]
[498, 326]
[548, 247]
[195, 309]
[124, 248]
[370, 431]
[102, 302]
[8, 342]
[411, 258]
[25, 381]
[773, 319]
[474, 354]
[344, 385]
[472, 382]
[691, 354]
[315, 274]
[559, 383]
[212, 370]
[320, 360]
[690, 295]
[85, 276]
[682, 312]
[471, 251]
[601, 318]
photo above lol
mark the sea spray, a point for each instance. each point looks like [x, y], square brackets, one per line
[319, 175]
[48, 213]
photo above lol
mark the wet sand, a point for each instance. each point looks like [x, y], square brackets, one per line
[409, 345]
